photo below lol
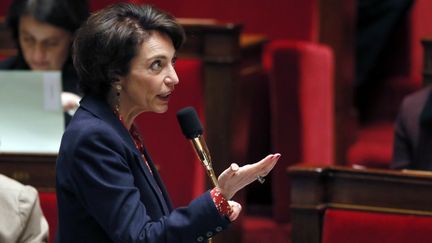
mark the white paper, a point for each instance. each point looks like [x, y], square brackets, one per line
[30, 122]
[51, 85]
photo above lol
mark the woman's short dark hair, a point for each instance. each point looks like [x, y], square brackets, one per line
[66, 14]
[105, 45]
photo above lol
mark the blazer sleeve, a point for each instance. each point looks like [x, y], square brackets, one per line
[105, 186]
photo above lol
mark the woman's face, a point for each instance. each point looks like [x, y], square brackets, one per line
[44, 46]
[151, 79]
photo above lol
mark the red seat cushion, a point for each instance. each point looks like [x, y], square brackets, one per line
[342, 226]
[48, 202]
[373, 147]
[261, 229]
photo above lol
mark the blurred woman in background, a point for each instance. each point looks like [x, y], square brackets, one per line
[43, 31]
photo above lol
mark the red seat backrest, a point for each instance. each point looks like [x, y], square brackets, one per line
[172, 153]
[342, 226]
[48, 202]
[302, 110]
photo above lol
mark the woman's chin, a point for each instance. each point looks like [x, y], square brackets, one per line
[161, 109]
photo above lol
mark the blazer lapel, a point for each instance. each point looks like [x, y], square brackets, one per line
[158, 180]
[153, 179]
[101, 109]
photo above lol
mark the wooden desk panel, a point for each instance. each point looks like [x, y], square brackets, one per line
[314, 189]
[33, 169]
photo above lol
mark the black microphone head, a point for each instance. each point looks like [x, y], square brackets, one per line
[189, 122]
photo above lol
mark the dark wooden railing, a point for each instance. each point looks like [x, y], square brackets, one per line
[315, 189]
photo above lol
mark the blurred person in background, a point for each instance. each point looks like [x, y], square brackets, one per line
[21, 217]
[43, 31]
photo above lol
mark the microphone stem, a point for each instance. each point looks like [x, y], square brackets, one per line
[211, 174]
[204, 156]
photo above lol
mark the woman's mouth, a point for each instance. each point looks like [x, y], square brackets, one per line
[164, 97]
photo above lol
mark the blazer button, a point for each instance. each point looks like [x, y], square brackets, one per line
[209, 234]
[200, 239]
[218, 229]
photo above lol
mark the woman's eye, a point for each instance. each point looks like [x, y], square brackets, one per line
[28, 40]
[174, 61]
[156, 65]
[51, 43]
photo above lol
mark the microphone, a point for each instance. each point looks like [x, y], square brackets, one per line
[192, 129]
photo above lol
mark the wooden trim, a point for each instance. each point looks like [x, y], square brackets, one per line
[315, 189]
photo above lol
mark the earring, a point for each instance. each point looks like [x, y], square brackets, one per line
[118, 89]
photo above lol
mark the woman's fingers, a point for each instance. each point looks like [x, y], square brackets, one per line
[235, 178]
[229, 172]
[262, 167]
[234, 167]
[269, 164]
[236, 209]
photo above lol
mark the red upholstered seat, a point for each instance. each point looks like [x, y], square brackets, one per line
[170, 150]
[48, 202]
[261, 230]
[373, 146]
[342, 226]
[302, 111]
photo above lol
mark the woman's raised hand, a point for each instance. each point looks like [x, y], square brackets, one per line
[235, 178]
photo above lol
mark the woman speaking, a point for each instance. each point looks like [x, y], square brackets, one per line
[108, 188]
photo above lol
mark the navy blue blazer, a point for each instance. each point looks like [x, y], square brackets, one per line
[106, 193]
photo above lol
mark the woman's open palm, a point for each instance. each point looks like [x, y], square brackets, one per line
[235, 178]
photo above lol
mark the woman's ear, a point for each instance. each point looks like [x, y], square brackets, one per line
[115, 77]
[117, 86]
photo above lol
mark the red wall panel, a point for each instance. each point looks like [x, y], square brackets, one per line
[277, 18]
[4, 6]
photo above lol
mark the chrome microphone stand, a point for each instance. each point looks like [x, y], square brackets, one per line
[204, 156]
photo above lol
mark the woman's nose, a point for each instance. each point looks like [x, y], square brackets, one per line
[39, 53]
[172, 78]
